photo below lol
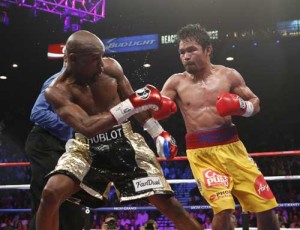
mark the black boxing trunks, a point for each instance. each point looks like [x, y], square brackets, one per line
[119, 156]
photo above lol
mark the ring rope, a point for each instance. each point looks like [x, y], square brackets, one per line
[260, 154]
[182, 158]
[11, 164]
[173, 181]
[145, 208]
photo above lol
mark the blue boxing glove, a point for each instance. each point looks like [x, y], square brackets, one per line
[165, 144]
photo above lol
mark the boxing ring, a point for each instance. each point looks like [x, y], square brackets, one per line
[171, 181]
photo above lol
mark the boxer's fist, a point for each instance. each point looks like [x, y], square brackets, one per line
[148, 96]
[143, 99]
[167, 108]
[164, 142]
[232, 104]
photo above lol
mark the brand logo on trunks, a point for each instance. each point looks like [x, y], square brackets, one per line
[143, 93]
[147, 183]
[262, 188]
[213, 179]
[106, 137]
[225, 194]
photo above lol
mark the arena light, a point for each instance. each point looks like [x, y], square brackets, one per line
[3, 77]
[229, 58]
[147, 65]
[4, 19]
[84, 11]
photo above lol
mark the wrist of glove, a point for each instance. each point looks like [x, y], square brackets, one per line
[165, 144]
[122, 111]
[125, 109]
[232, 104]
[248, 110]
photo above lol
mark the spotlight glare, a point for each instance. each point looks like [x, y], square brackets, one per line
[14, 65]
[147, 65]
[229, 58]
[3, 77]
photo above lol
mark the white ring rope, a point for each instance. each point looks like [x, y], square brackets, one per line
[174, 181]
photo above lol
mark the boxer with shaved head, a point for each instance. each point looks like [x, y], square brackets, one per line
[93, 96]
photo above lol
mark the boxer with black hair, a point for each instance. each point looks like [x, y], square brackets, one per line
[208, 95]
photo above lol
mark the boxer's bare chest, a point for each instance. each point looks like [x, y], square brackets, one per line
[201, 92]
[97, 97]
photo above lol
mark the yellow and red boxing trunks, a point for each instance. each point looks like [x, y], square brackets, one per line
[222, 168]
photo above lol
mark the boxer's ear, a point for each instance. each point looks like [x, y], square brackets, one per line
[72, 56]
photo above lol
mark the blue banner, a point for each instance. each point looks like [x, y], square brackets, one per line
[131, 44]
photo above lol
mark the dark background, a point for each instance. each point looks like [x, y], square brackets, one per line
[271, 70]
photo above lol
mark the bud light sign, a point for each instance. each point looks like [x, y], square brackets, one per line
[131, 44]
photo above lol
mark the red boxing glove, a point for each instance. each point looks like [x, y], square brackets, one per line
[165, 144]
[232, 104]
[167, 108]
[143, 99]
[148, 95]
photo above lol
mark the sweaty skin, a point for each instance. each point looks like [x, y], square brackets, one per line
[82, 96]
[196, 90]
[83, 105]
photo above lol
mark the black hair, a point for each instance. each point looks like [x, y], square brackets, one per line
[150, 225]
[110, 215]
[111, 224]
[194, 31]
